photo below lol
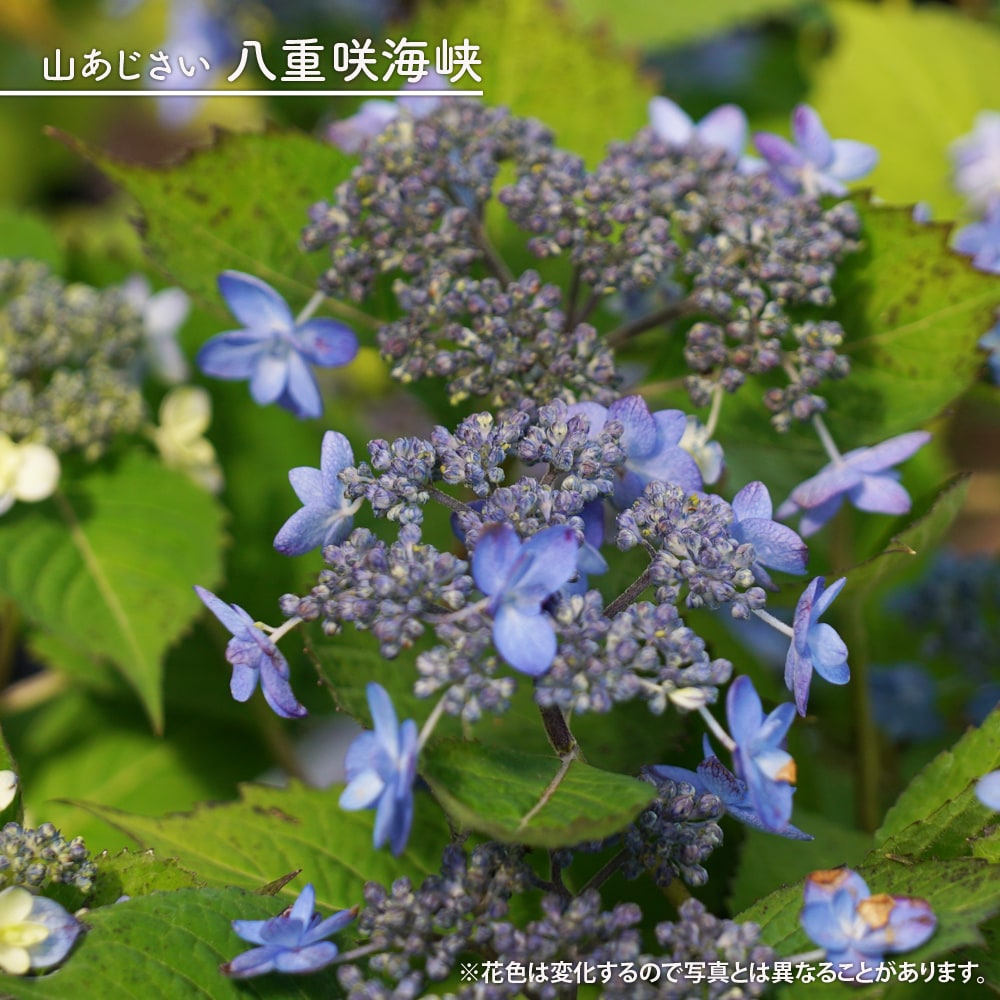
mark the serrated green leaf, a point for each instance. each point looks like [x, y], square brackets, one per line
[169, 944]
[913, 311]
[632, 22]
[272, 831]
[909, 80]
[83, 744]
[240, 204]
[939, 809]
[563, 70]
[128, 873]
[925, 531]
[23, 234]
[108, 565]
[492, 791]
[962, 893]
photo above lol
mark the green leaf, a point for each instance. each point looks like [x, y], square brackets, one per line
[925, 531]
[85, 745]
[24, 234]
[909, 80]
[130, 874]
[169, 944]
[767, 860]
[631, 22]
[560, 77]
[962, 893]
[939, 811]
[108, 565]
[273, 831]
[239, 204]
[913, 311]
[492, 790]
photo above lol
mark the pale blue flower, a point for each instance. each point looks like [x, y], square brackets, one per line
[518, 577]
[815, 164]
[981, 240]
[293, 941]
[775, 545]
[724, 128]
[815, 645]
[272, 351]
[254, 658]
[759, 757]
[977, 160]
[714, 778]
[856, 928]
[651, 442]
[353, 134]
[864, 476]
[988, 790]
[381, 767]
[325, 517]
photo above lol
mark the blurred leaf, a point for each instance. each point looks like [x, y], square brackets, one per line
[767, 860]
[23, 234]
[575, 81]
[108, 565]
[634, 22]
[926, 531]
[168, 944]
[909, 80]
[491, 790]
[130, 874]
[272, 831]
[239, 204]
[939, 809]
[83, 745]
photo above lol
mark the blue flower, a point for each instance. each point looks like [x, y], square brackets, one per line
[816, 164]
[815, 645]
[254, 658]
[35, 932]
[714, 778]
[981, 240]
[272, 350]
[864, 476]
[651, 442]
[856, 928]
[381, 767]
[518, 577]
[724, 128]
[988, 790]
[775, 545]
[325, 517]
[293, 941]
[759, 760]
[977, 160]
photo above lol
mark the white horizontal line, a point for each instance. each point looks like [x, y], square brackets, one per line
[55, 92]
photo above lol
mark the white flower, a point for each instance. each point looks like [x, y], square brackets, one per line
[163, 314]
[28, 472]
[185, 414]
[35, 932]
[8, 788]
[707, 454]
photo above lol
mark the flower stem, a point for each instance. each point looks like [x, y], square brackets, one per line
[675, 310]
[766, 616]
[557, 729]
[310, 307]
[826, 438]
[723, 737]
[276, 634]
[607, 870]
[622, 601]
[713, 413]
[430, 723]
